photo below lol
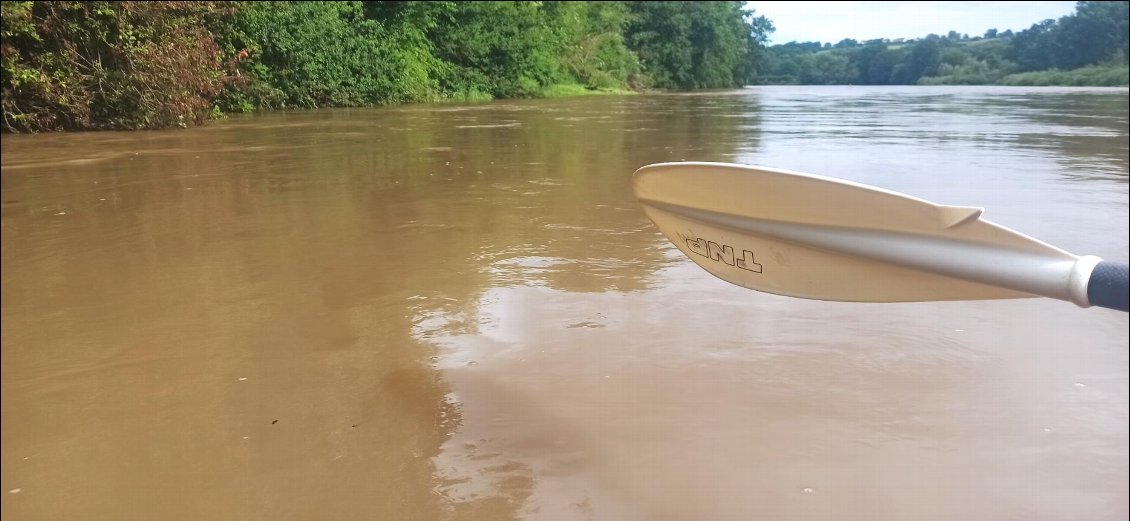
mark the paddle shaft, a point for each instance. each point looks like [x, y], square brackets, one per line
[1086, 281]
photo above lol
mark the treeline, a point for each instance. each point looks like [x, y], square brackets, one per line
[1088, 47]
[127, 65]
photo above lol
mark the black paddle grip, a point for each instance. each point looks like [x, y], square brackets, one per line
[1108, 286]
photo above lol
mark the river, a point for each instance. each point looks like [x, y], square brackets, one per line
[458, 312]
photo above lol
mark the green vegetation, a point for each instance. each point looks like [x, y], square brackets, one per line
[129, 65]
[102, 65]
[696, 45]
[108, 65]
[1088, 47]
[565, 90]
[1083, 76]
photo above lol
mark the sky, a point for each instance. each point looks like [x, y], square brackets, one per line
[833, 21]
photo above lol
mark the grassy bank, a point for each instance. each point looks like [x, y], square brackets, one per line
[1095, 76]
[1092, 76]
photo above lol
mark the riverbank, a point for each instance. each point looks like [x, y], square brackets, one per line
[1092, 76]
[72, 65]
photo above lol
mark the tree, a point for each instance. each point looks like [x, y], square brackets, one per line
[1036, 47]
[827, 68]
[1094, 33]
[923, 60]
[689, 45]
[876, 64]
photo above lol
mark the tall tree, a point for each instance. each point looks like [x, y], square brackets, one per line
[876, 63]
[689, 45]
[1095, 32]
[923, 60]
[1035, 48]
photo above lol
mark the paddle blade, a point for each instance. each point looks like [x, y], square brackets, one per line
[813, 237]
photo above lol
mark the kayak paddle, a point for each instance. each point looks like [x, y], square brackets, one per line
[816, 237]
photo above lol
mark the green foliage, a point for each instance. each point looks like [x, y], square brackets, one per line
[595, 52]
[322, 54]
[95, 65]
[820, 68]
[923, 59]
[1035, 48]
[695, 45]
[508, 49]
[972, 72]
[876, 63]
[565, 90]
[1095, 34]
[1091, 76]
[92, 65]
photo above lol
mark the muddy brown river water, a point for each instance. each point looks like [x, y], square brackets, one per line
[460, 312]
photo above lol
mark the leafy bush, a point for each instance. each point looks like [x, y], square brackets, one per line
[1093, 76]
[321, 54]
[94, 65]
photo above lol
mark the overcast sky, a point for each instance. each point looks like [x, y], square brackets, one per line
[833, 21]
